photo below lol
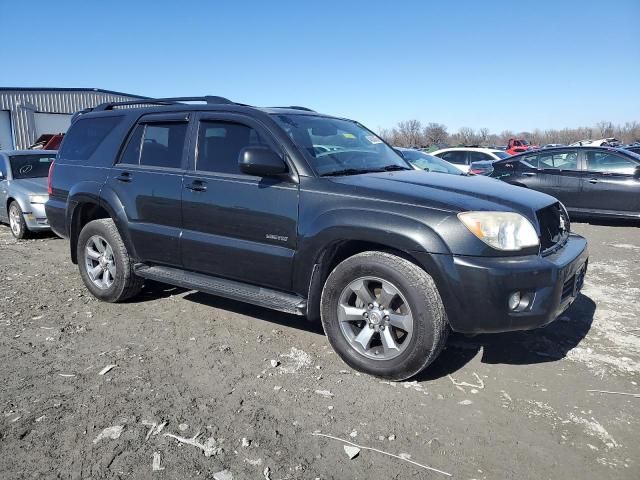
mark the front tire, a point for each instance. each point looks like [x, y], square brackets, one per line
[105, 266]
[16, 222]
[383, 315]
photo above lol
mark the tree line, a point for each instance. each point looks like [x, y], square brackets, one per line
[412, 133]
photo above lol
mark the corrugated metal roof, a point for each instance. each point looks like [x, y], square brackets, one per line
[23, 103]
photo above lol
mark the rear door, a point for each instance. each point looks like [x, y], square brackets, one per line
[611, 185]
[236, 225]
[4, 187]
[148, 181]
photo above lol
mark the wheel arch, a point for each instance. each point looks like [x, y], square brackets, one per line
[355, 233]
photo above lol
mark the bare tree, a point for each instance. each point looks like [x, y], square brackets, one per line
[483, 135]
[435, 133]
[410, 132]
[467, 136]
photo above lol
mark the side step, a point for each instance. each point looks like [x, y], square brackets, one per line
[263, 297]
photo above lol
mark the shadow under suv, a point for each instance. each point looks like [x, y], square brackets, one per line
[309, 214]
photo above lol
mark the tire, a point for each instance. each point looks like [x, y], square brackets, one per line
[417, 296]
[115, 280]
[16, 222]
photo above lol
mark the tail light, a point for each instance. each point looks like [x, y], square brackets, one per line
[476, 171]
[49, 186]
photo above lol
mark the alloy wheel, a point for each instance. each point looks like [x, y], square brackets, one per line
[15, 220]
[375, 318]
[100, 263]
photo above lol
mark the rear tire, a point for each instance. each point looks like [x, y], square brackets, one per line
[393, 341]
[105, 266]
[16, 222]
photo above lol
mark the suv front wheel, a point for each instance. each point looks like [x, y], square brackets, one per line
[383, 315]
[105, 265]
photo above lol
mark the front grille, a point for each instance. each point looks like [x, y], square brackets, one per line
[567, 288]
[554, 227]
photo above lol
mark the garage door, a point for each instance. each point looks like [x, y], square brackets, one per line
[6, 138]
[51, 123]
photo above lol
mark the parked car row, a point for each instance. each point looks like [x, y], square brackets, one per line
[589, 181]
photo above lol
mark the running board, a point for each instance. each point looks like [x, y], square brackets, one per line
[262, 297]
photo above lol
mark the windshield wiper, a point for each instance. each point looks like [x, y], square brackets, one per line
[350, 171]
[394, 168]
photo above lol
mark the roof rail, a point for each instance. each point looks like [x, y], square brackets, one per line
[209, 100]
[297, 107]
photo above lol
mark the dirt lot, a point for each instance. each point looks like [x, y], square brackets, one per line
[204, 365]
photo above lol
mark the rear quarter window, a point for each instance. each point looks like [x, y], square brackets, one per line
[85, 136]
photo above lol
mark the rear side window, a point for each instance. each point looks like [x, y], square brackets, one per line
[85, 136]
[156, 145]
[563, 160]
[479, 157]
[220, 143]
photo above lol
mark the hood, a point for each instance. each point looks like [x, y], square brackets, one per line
[37, 186]
[454, 193]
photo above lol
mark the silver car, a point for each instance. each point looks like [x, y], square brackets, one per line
[23, 190]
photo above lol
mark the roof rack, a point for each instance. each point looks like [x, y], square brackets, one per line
[297, 107]
[209, 100]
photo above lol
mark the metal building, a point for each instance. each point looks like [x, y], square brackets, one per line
[27, 113]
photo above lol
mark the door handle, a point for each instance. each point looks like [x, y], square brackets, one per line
[198, 186]
[593, 180]
[529, 174]
[124, 177]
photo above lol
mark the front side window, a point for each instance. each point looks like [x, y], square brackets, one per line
[30, 166]
[220, 144]
[156, 145]
[608, 162]
[339, 147]
[501, 154]
[566, 160]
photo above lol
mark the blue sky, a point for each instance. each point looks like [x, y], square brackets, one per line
[501, 65]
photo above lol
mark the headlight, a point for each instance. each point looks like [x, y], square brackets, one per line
[38, 198]
[501, 230]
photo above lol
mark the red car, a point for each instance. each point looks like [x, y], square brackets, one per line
[518, 145]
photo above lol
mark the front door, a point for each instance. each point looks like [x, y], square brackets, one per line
[611, 185]
[236, 225]
[148, 181]
[556, 173]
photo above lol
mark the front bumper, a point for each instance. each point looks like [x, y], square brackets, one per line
[36, 217]
[475, 290]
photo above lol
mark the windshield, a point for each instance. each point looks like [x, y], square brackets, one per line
[430, 163]
[340, 147]
[30, 166]
[500, 154]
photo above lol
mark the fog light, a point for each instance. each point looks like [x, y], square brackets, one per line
[520, 301]
[514, 301]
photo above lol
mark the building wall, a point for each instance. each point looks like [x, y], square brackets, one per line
[23, 104]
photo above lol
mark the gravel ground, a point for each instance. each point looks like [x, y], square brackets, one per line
[196, 366]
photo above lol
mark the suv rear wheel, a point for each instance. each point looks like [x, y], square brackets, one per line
[105, 265]
[383, 315]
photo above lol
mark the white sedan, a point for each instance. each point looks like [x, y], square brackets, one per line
[463, 157]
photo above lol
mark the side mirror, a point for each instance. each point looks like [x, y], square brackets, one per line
[261, 162]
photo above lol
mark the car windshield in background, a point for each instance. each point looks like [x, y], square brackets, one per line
[30, 166]
[340, 147]
[501, 155]
[430, 163]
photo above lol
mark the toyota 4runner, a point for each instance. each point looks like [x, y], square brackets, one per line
[312, 215]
